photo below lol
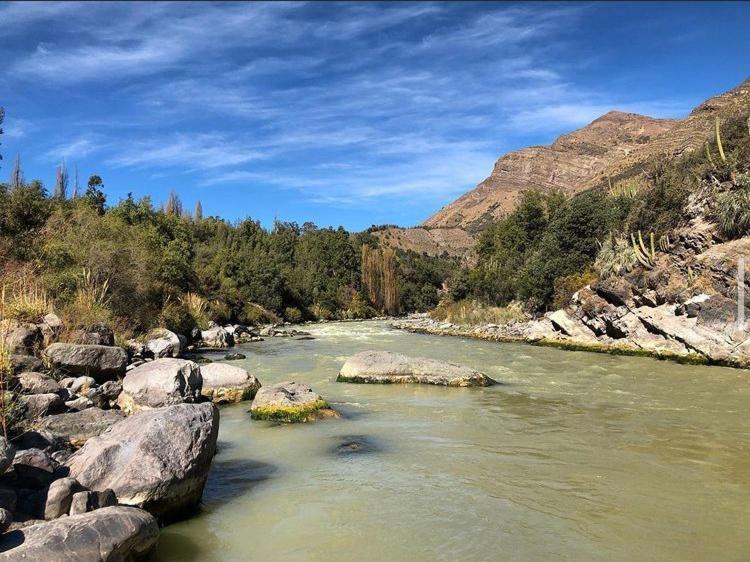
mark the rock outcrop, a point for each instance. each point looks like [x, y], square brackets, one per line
[162, 382]
[384, 367]
[224, 383]
[100, 362]
[155, 459]
[289, 402]
[112, 534]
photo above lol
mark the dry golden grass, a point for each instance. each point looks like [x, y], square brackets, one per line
[24, 300]
[474, 313]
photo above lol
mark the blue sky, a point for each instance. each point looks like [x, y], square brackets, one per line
[352, 114]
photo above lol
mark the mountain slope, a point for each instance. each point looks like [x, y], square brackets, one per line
[567, 164]
[612, 144]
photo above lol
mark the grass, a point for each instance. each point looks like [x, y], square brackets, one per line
[732, 212]
[296, 414]
[24, 301]
[474, 313]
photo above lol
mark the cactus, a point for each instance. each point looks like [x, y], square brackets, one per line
[647, 256]
[691, 276]
[664, 243]
[708, 155]
[718, 141]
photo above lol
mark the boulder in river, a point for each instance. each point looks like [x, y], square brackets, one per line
[101, 362]
[161, 383]
[112, 534]
[384, 367]
[290, 402]
[163, 343]
[155, 459]
[217, 337]
[224, 383]
[79, 427]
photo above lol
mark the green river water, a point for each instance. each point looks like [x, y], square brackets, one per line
[580, 456]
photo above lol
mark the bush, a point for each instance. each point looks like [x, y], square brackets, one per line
[616, 256]
[359, 309]
[254, 314]
[732, 213]
[566, 287]
[24, 300]
[177, 317]
[293, 314]
[475, 313]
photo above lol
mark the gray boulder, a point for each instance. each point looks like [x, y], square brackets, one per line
[34, 467]
[37, 383]
[156, 459]
[35, 406]
[79, 427]
[21, 363]
[24, 339]
[6, 518]
[87, 500]
[163, 382]
[163, 343]
[224, 383]
[7, 452]
[217, 337]
[59, 496]
[386, 367]
[289, 402]
[100, 362]
[105, 396]
[113, 534]
[79, 404]
[80, 385]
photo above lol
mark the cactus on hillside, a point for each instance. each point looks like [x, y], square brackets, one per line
[718, 141]
[646, 256]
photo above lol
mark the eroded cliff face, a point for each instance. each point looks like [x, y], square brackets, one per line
[609, 146]
[568, 165]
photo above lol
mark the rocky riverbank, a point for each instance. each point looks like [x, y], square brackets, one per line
[113, 440]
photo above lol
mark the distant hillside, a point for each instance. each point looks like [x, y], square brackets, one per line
[446, 242]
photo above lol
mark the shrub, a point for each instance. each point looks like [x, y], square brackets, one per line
[197, 306]
[565, 287]
[90, 303]
[176, 317]
[475, 313]
[24, 300]
[732, 213]
[359, 309]
[254, 314]
[615, 257]
[293, 314]
[320, 312]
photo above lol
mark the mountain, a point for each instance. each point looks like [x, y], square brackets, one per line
[444, 242]
[610, 145]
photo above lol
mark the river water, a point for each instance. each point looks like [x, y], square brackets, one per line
[579, 456]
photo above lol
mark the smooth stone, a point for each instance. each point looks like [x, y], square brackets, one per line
[37, 383]
[59, 496]
[101, 362]
[112, 534]
[163, 382]
[38, 405]
[224, 383]
[217, 337]
[156, 459]
[79, 404]
[79, 427]
[160, 342]
[34, 467]
[384, 367]
[289, 402]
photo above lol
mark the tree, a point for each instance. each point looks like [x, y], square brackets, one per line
[75, 184]
[61, 182]
[16, 175]
[2, 117]
[198, 212]
[95, 194]
[174, 205]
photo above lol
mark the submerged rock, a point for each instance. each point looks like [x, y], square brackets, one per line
[384, 367]
[234, 356]
[161, 383]
[155, 459]
[290, 402]
[112, 534]
[100, 362]
[224, 383]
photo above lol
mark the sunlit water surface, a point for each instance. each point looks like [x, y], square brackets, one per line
[578, 457]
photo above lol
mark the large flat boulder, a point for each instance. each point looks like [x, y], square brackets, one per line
[111, 534]
[163, 382]
[37, 383]
[155, 459]
[79, 427]
[289, 402]
[384, 367]
[101, 362]
[224, 383]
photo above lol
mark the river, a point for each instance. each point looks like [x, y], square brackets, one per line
[579, 456]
